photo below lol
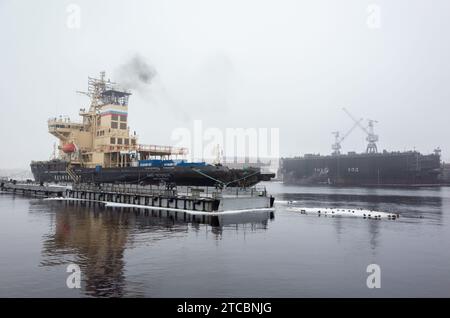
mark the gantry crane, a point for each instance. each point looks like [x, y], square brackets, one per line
[338, 140]
[371, 138]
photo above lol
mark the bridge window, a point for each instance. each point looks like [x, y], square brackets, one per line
[113, 140]
[114, 124]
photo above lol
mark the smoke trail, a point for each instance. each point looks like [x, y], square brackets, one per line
[136, 74]
[141, 77]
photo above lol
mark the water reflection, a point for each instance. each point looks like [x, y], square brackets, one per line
[406, 205]
[429, 208]
[95, 241]
[374, 233]
[96, 238]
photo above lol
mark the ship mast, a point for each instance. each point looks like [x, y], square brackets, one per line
[96, 90]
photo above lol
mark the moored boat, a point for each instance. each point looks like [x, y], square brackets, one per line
[101, 149]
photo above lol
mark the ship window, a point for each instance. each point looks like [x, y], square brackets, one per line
[133, 141]
[114, 117]
[123, 125]
[114, 124]
[113, 140]
[127, 141]
[123, 118]
[119, 141]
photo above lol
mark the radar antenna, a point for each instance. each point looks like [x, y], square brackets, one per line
[96, 89]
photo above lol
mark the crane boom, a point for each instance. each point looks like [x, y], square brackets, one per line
[337, 140]
[358, 123]
[371, 138]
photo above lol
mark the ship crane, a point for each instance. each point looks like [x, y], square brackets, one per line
[338, 140]
[371, 138]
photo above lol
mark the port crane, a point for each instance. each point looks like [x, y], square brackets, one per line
[371, 138]
[338, 139]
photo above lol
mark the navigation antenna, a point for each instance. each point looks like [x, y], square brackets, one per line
[96, 87]
[54, 156]
[218, 155]
[371, 138]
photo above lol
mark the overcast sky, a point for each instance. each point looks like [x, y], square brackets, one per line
[286, 64]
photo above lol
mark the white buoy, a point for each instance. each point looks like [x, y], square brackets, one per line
[366, 214]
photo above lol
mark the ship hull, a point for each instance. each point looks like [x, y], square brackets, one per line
[384, 169]
[56, 171]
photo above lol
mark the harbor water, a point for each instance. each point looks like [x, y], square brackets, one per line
[134, 253]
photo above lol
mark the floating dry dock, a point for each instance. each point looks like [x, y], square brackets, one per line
[194, 199]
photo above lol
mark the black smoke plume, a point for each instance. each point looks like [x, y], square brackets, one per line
[136, 74]
[141, 77]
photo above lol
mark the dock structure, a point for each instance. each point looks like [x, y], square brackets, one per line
[33, 189]
[196, 199]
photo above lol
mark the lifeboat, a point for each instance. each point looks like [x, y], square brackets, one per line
[69, 148]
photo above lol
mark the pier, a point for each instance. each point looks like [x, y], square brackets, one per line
[46, 191]
[194, 199]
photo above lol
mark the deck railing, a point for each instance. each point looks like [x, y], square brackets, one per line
[163, 149]
[188, 191]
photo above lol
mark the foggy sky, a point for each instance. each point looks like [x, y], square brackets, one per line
[286, 64]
